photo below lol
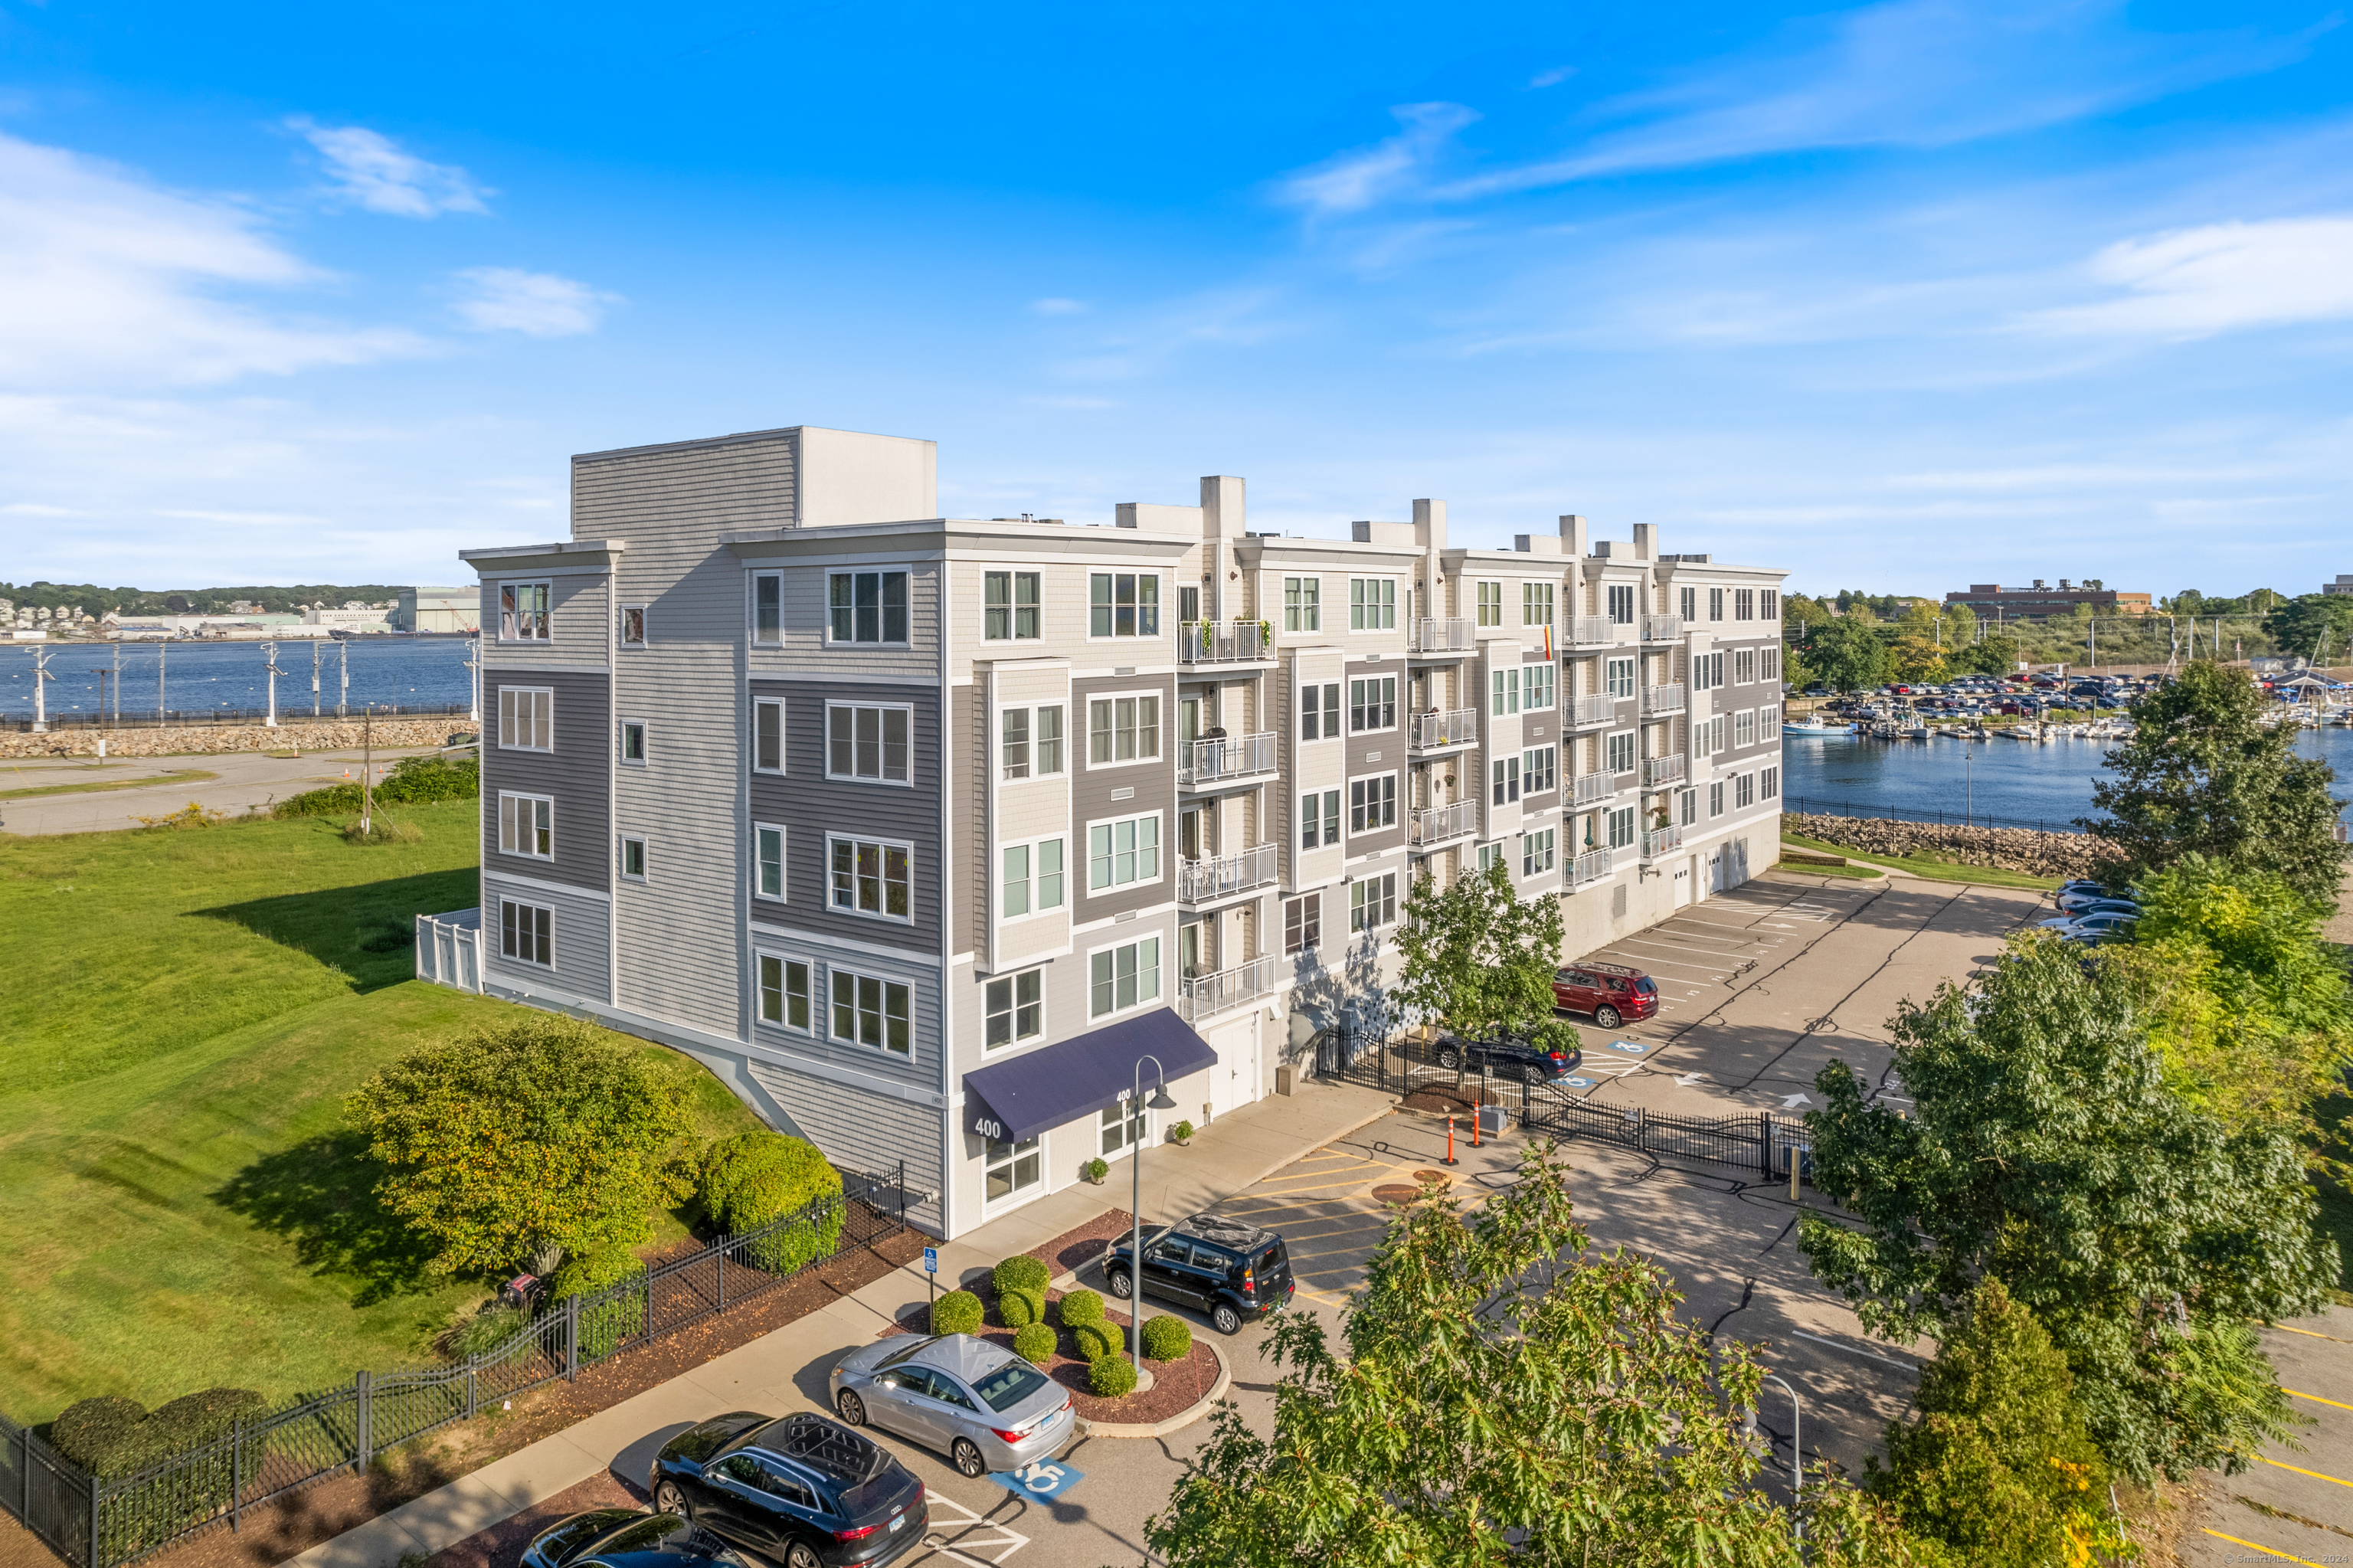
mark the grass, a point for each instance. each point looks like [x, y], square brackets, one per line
[1928, 867]
[1802, 868]
[183, 775]
[181, 1204]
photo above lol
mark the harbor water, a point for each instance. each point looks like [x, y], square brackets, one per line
[415, 673]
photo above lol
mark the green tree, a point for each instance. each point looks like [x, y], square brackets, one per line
[2308, 624]
[1916, 658]
[1995, 654]
[531, 1136]
[1846, 654]
[2203, 775]
[2044, 1150]
[1478, 959]
[1502, 1398]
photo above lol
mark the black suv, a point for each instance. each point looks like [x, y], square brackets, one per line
[624, 1538]
[1510, 1056]
[1230, 1269]
[802, 1490]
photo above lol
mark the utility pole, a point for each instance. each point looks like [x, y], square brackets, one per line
[474, 679]
[162, 649]
[368, 769]
[118, 683]
[269, 663]
[344, 695]
[40, 690]
[314, 677]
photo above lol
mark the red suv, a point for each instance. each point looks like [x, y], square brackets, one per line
[1612, 993]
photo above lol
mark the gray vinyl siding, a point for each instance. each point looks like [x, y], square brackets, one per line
[582, 945]
[1389, 745]
[969, 768]
[861, 1131]
[811, 807]
[803, 602]
[579, 613]
[1091, 796]
[918, 1071]
[575, 774]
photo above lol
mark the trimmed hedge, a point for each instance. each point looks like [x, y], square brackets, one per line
[1110, 1376]
[755, 1178]
[1166, 1339]
[109, 1437]
[1097, 1339]
[1035, 1344]
[1021, 1273]
[1020, 1309]
[957, 1312]
[413, 781]
[1080, 1306]
[604, 1325]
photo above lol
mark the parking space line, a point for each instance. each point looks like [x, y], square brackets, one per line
[2298, 1469]
[2315, 1399]
[1357, 1181]
[2266, 1551]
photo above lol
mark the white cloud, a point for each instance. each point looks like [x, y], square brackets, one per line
[1552, 78]
[1058, 307]
[1355, 180]
[371, 171]
[538, 304]
[2218, 278]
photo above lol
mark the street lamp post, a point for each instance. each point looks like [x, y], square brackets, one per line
[1160, 1102]
[1797, 1450]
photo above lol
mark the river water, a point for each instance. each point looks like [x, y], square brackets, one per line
[198, 677]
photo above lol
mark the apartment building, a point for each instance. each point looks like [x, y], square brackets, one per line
[925, 832]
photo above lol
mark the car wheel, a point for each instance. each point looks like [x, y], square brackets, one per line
[1531, 1073]
[1121, 1285]
[1607, 1017]
[968, 1462]
[1449, 1057]
[1227, 1320]
[852, 1408]
[668, 1499]
[800, 1554]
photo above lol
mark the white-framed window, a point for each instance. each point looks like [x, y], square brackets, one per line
[1707, 672]
[1621, 604]
[1372, 803]
[1768, 721]
[1302, 924]
[1617, 677]
[1122, 977]
[1538, 851]
[1538, 683]
[1010, 606]
[633, 743]
[1009, 1170]
[1319, 711]
[1124, 852]
[767, 609]
[633, 857]
[1536, 604]
[1744, 790]
[1123, 604]
[873, 877]
[1768, 662]
[1372, 702]
[1014, 1008]
[1690, 605]
[1619, 821]
[767, 735]
[1490, 854]
[1123, 1126]
[871, 1011]
[633, 626]
[1768, 604]
[1302, 604]
[866, 606]
[1123, 729]
[1047, 737]
[524, 612]
[527, 932]
[1686, 807]
[1743, 666]
[527, 825]
[1029, 878]
[1372, 902]
[1491, 604]
[526, 718]
[1716, 798]
[786, 995]
[1744, 727]
[1503, 781]
[768, 861]
[1713, 733]
[1715, 604]
[1617, 752]
[1503, 691]
[1744, 604]
[1769, 783]
[1539, 770]
[1319, 819]
[868, 741]
[1372, 604]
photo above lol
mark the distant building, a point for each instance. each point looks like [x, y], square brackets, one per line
[1991, 601]
[2344, 584]
[440, 609]
[358, 620]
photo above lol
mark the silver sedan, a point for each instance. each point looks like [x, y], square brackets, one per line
[984, 1408]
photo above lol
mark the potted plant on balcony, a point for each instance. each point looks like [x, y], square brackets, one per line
[1208, 639]
[1265, 635]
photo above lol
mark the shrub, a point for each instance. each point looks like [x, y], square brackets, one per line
[1166, 1339]
[1096, 1339]
[606, 1319]
[957, 1312]
[485, 1331]
[93, 1432]
[1035, 1344]
[413, 781]
[1080, 1306]
[756, 1178]
[382, 830]
[1181, 1131]
[109, 1437]
[1097, 1170]
[1020, 1309]
[1110, 1376]
[1020, 1273]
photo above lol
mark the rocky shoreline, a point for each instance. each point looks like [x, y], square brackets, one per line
[2009, 849]
[195, 739]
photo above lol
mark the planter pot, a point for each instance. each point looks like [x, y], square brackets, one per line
[1180, 1142]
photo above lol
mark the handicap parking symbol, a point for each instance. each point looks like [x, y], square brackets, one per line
[1041, 1482]
[1580, 1082]
[1633, 1047]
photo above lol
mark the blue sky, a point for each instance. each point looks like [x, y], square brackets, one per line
[1899, 296]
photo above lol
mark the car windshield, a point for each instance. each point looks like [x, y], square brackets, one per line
[1009, 1384]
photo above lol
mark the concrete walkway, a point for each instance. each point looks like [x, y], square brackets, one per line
[786, 1370]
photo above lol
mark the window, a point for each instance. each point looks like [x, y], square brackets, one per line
[768, 860]
[1030, 879]
[1490, 854]
[1372, 702]
[1010, 1167]
[1372, 604]
[633, 857]
[1302, 604]
[633, 626]
[1768, 662]
[1744, 727]
[868, 743]
[1617, 677]
[1715, 604]
[769, 734]
[1536, 604]
[1123, 854]
[1319, 819]
[1503, 691]
[1123, 729]
[1123, 977]
[1121, 1126]
[871, 1011]
[1123, 604]
[785, 992]
[1709, 668]
[1538, 851]
[1013, 742]
[1768, 604]
[1016, 1009]
[1372, 902]
[1716, 798]
[1049, 740]
[1503, 786]
[1539, 770]
[1537, 683]
[1491, 604]
[1621, 827]
[1744, 667]
[527, 932]
[1009, 606]
[526, 718]
[1372, 803]
[1621, 604]
[866, 606]
[1714, 728]
[1768, 721]
[1319, 711]
[1690, 605]
[1302, 924]
[1769, 784]
[873, 878]
[522, 612]
[768, 609]
[1744, 790]
[527, 825]
[1687, 807]
[1618, 752]
[1189, 604]
[1744, 604]
[633, 743]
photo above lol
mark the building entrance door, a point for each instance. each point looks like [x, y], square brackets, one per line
[1715, 872]
[1683, 883]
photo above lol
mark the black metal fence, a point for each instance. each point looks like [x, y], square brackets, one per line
[1821, 808]
[177, 718]
[1402, 1062]
[94, 1522]
[1758, 1142]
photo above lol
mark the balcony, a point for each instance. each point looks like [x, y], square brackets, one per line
[1661, 841]
[1201, 995]
[1592, 708]
[1591, 788]
[1222, 643]
[1661, 627]
[1586, 631]
[1205, 881]
[1667, 699]
[1207, 764]
[1591, 866]
[1435, 732]
[1659, 771]
[1435, 825]
[1445, 634]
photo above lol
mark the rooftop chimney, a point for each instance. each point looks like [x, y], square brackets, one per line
[1573, 537]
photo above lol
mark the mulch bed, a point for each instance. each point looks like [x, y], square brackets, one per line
[1440, 1100]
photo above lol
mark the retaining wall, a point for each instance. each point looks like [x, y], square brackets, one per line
[176, 740]
[2012, 849]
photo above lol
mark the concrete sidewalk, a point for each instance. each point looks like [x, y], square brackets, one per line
[786, 1370]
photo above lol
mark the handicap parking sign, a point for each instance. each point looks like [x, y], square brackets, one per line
[931, 1260]
[1580, 1082]
[1041, 1482]
[1633, 1047]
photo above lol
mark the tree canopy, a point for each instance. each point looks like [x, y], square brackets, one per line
[2313, 622]
[1846, 654]
[1478, 959]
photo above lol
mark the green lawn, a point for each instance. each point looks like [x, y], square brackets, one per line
[180, 1203]
[1933, 870]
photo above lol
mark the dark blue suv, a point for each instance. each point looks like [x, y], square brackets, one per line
[803, 1491]
[1510, 1056]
